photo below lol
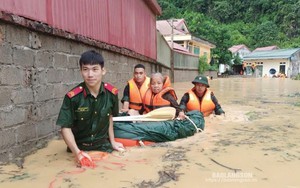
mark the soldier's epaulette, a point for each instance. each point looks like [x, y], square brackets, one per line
[111, 88]
[75, 91]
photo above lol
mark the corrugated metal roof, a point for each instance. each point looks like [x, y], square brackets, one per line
[272, 54]
[129, 24]
[154, 6]
[32, 9]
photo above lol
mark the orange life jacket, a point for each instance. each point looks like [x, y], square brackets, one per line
[136, 94]
[206, 105]
[152, 101]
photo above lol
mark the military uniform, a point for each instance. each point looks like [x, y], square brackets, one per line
[88, 117]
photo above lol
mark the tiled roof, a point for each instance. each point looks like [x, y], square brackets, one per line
[272, 54]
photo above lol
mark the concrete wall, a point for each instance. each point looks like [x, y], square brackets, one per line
[184, 75]
[185, 67]
[185, 61]
[163, 50]
[294, 69]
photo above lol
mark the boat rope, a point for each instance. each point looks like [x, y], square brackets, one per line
[197, 129]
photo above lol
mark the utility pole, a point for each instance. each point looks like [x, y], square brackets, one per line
[172, 52]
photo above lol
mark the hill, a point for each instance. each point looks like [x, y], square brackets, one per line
[230, 22]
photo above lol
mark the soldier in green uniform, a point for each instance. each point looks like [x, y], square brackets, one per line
[86, 114]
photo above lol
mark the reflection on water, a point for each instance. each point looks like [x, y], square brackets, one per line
[255, 145]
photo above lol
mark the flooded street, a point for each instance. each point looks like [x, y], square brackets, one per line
[257, 144]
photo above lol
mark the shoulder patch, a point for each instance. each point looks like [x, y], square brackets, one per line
[111, 88]
[75, 91]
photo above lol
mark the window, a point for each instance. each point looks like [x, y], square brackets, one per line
[196, 50]
[190, 48]
[282, 68]
[272, 71]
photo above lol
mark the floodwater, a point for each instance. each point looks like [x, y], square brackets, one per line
[257, 144]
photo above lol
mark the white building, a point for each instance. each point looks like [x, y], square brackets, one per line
[269, 63]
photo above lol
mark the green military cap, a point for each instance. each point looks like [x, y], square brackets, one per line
[201, 79]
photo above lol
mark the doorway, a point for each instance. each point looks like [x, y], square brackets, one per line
[282, 69]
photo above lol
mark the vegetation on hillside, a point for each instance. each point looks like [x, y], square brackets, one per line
[231, 22]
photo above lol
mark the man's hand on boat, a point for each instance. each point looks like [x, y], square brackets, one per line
[118, 146]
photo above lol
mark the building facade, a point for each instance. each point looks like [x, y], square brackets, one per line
[274, 62]
[176, 31]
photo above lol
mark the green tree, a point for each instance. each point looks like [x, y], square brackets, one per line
[237, 60]
[222, 39]
[265, 34]
[222, 11]
[203, 65]
[169, 9]
[225, 23]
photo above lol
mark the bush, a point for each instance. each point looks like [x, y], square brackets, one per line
[203, 65]
[213, 67]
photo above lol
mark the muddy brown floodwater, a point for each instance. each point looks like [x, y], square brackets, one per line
[257, 144]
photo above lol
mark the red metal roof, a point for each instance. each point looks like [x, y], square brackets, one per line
[129, 24]
[154, 6]
[33, 9]
[236, 48]
[266, 48]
